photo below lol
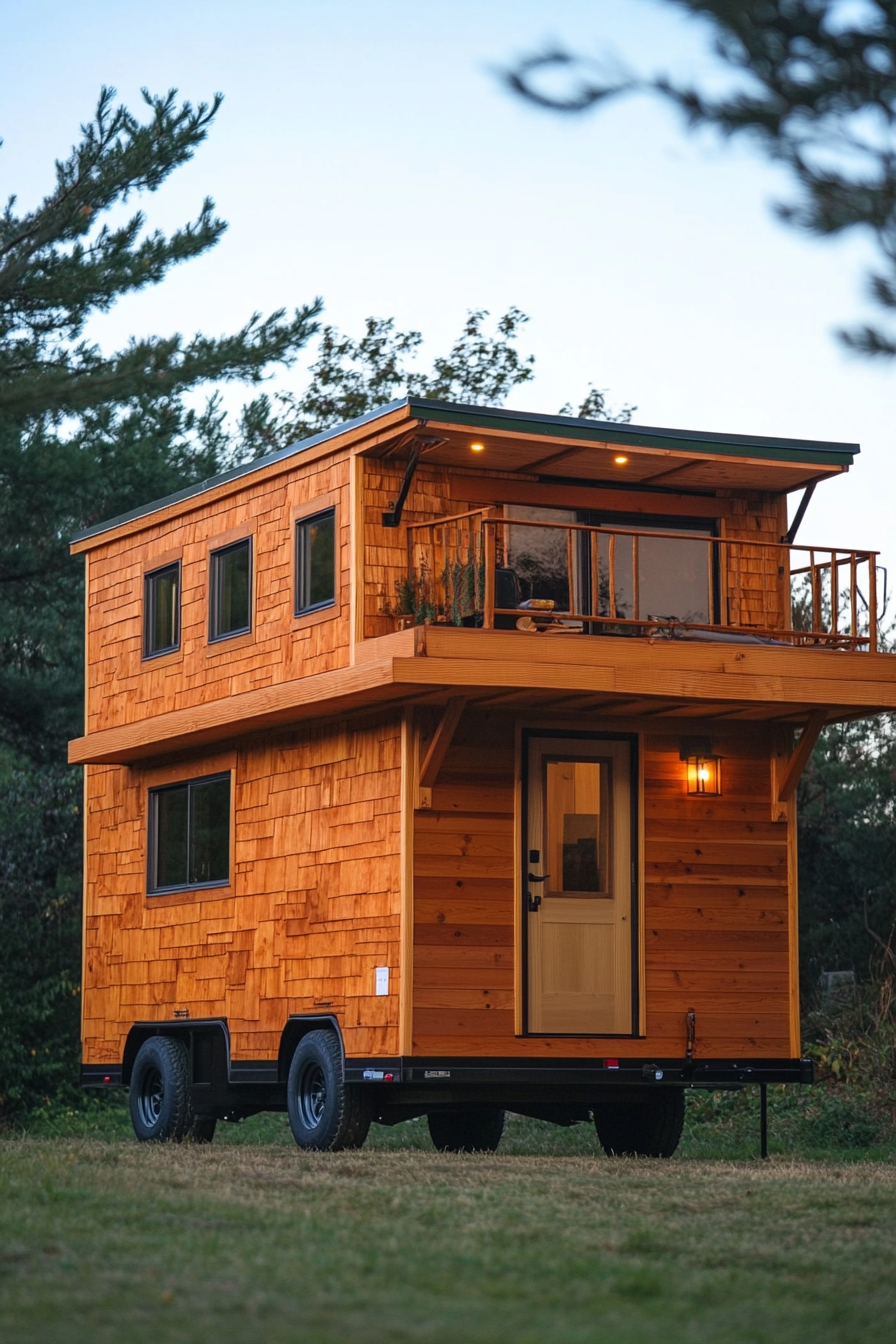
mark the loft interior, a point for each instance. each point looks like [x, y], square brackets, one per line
[444, 764]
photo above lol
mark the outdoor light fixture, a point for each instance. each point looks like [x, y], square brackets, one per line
[620, 461]
[477, 447]
[704, 767]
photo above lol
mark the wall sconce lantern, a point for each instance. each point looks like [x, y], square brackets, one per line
[704, 768]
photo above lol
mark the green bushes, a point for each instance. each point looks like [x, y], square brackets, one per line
[40, 917]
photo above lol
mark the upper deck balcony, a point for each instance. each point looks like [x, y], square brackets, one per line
[480, 570]
[531, 562]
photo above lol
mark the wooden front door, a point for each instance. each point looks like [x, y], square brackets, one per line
[578, 886]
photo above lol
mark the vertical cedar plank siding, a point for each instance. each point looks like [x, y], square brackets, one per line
[755, 589]
[125, 688]
[715, 916]
[314, 908]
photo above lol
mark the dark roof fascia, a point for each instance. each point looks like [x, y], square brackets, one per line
[522, 422]
[245, 469]
[640, 436]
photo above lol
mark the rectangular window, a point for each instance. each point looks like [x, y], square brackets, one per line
[316, 562]
[161, 610]
[230, 596]
[189, 834]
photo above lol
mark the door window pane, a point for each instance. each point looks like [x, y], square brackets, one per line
[189, 834]
[316, 561]
[576, 828]
[231, 590]
[161, 610]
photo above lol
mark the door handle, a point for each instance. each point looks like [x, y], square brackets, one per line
[534, 902]
[533, 878]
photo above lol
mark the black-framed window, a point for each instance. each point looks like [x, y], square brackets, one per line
[316, 561]
[189, 834]
[230, 590]
[161, 610]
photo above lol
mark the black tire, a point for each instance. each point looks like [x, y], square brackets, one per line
[203, 1129]
[476, 1129]
[325, 1113]
[161, 1107]
[648, 1128]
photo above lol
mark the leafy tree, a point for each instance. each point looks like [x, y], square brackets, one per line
[85, 435]
[350, 377]
[814, 86]
[847, 843]
[594, 406]
[40, 934]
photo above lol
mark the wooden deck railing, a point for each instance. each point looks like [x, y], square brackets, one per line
[472, 569]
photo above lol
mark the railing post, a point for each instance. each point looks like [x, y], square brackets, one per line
[733, 584]
[815, 582]
[570, 568]
[636, 583]
[412, 566]
[488, 613]
[872, 603]
[853, 610]
[611, 552]
[835, 596]
[595, 576]
[786, 589]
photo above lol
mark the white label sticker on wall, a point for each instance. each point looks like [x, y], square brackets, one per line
[382, 979]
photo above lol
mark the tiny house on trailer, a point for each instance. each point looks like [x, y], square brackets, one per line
[444, 764]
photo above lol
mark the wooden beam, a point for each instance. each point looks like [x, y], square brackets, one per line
[441, 741]
[500, 490]
[670, 471]
[797, 763]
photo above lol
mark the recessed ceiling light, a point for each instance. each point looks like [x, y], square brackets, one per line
[477, 447]
[620, 461]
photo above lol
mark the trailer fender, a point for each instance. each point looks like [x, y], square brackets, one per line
[208, 1040]
[299, 1026]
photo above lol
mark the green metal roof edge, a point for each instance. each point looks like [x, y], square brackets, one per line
[525, 422]
[244, 469]
[644, 436]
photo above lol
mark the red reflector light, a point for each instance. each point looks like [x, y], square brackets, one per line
[388, 1077]
[611, 1063]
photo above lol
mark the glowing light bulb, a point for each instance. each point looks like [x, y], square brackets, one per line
[477, 447]
[620, 461]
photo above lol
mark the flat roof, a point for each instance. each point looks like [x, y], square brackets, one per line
[532, 425]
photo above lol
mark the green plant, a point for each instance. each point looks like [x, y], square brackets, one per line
[413, 598]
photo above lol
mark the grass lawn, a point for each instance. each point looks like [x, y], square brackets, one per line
[103, 1239]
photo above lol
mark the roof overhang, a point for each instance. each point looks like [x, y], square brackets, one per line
[563, 447]
[540, 447]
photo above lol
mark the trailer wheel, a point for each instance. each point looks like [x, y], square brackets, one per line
[649, 1128]
[325, 1112]
[160, 1103]
[477, 1129]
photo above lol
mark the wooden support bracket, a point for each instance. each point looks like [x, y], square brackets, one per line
[438, 747]
[790, 774]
